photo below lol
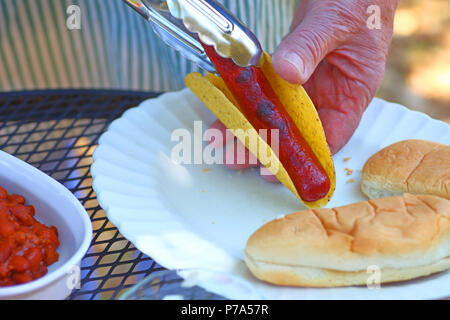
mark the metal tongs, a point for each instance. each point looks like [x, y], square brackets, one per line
[182, 23]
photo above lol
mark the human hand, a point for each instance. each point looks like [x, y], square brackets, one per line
[219, 137]
[338, 59]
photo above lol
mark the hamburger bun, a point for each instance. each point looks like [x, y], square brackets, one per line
[404, 237]
[412, 166]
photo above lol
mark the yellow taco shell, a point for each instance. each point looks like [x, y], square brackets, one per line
[214, 93]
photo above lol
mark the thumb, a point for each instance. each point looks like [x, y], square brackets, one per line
[304, 48]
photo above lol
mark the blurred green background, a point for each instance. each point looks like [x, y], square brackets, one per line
[418, 70]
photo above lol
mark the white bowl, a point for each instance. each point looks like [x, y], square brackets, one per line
[55, 205]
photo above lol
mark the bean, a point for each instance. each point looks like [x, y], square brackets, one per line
[23, 214]
[34, 257]
[6, 227]
[22, 277]
[19, 264]
[6, 250]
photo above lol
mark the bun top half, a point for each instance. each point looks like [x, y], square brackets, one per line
[397, 232]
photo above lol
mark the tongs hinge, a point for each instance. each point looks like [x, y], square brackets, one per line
[172, 31]
[182, 24]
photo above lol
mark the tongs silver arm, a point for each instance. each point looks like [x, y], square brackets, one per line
[182, 24]
[172, 31]
[217, 27]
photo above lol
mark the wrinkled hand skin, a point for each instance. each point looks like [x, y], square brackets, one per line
[338, 59]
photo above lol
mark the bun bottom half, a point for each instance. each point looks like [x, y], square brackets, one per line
[303, 276]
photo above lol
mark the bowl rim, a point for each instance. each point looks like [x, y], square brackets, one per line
[62, 270]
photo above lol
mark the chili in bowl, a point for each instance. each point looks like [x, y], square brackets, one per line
[27, 247]
[44, 234]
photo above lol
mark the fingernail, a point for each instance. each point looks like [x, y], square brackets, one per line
[268, 176]
[294, 60]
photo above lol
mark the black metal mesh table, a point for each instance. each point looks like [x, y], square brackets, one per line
[57, 132]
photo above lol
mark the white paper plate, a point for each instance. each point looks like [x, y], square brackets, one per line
[184, 216]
